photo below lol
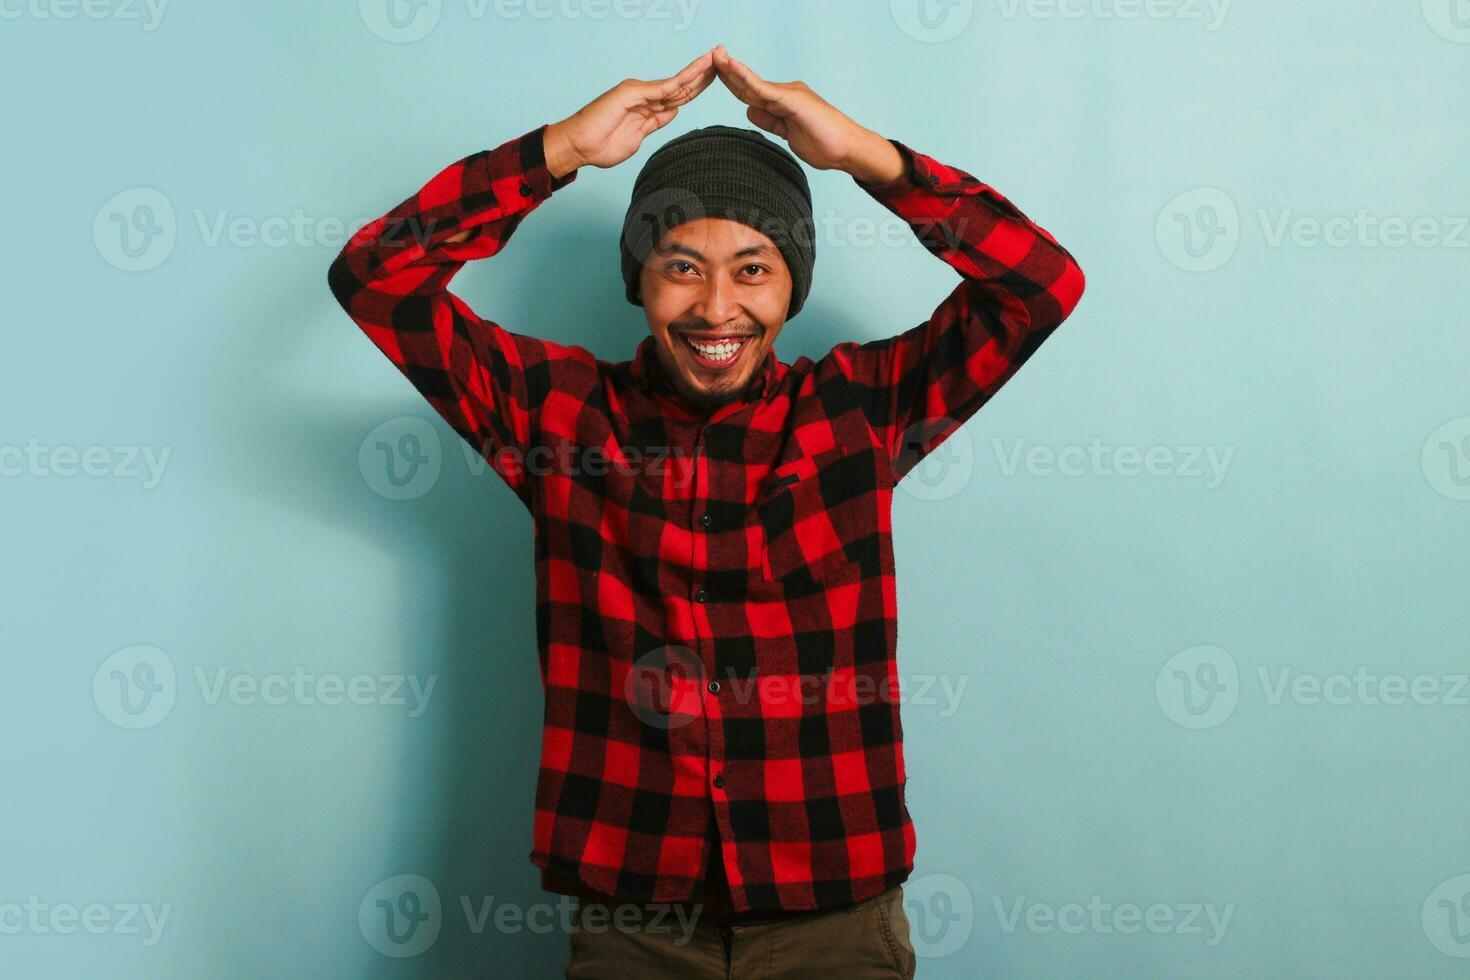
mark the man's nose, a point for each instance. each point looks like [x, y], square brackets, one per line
[718, 304]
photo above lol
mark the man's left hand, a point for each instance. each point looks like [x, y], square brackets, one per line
[817, 132]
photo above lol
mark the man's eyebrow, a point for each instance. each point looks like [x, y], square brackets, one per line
[680, 249]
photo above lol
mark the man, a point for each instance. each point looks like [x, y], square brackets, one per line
[716, 606]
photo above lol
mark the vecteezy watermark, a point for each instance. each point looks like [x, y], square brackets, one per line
[663, 687]
[1446, 459]
[146, 13]
[402, 459]
[1192, 462]
[406, 21]
[1198, 687]
[137, 687]
[302, 688]
[1445, 916]
[1100, 918]
[932, 21]
[137, 229]
[663, 210]
[111, 462]
[1201, 230]
[37, 918]
[1210, 13]
[403, 916]
[935, 459]
[941, 913]
[834, 229]
[1363, 687]
[1450, 19]
[1201, 687]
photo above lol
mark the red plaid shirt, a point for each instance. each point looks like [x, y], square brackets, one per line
[716, 613]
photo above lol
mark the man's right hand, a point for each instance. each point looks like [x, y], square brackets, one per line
[610, 128]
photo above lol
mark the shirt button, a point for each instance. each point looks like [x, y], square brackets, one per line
[714, 687]
[525, 190]
[699, 596]
[719, 780]
[933, 178]
[706, 520]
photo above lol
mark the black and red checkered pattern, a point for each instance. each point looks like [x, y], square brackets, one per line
[716, 613]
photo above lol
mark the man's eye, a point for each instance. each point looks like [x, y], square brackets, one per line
[679, 265]
[758, 268]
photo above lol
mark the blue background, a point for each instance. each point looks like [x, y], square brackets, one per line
[1087, 621]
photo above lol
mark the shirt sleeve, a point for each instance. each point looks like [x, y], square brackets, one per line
[1018, 285]
[392, 278]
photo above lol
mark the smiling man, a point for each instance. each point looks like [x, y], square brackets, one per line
[717, 293]
[717, 289]
[716, 609]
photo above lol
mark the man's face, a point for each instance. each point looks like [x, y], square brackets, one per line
[723, 286]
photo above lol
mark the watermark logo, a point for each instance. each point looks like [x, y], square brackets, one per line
[400, 21]
[114, 462]
[1211, 13]
[932, 21]
[406, 21]
[1102, 918]
[40, 918]
[1362, 687]
[136, 687]
[1446, 917]
[401, 916]
[1198, 687]
[147, 13]
[1199, 230]
[941, 914]
[401, 459]
[662, 687]
[1446, 459]
[1206, 463]
[301, 688]
[931, 471]
[135, 230]
[1450, 19]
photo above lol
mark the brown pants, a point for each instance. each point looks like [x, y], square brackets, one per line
[866, 940]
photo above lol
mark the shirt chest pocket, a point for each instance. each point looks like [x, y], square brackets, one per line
[818, 518]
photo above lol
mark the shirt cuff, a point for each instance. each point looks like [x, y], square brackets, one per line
[921, 171]
[905, 181]
[539, 183]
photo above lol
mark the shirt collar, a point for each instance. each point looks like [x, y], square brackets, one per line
[649, 374]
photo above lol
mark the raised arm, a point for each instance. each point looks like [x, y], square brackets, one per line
[392, 277]
[1018, 284]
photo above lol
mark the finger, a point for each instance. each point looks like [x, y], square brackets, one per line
[688, 92]
[747, 86]
[655, 121]
[737, 85]
[665, 88]
[769, 122]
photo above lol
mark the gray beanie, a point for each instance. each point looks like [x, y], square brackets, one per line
[723, 172]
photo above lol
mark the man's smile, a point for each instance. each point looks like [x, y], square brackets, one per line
[718, 352]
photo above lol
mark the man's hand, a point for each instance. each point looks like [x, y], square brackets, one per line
[610, 128]
[816, 131]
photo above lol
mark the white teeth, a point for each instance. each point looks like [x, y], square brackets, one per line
[721, 351]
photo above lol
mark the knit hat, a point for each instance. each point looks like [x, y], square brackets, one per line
[722, 172]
